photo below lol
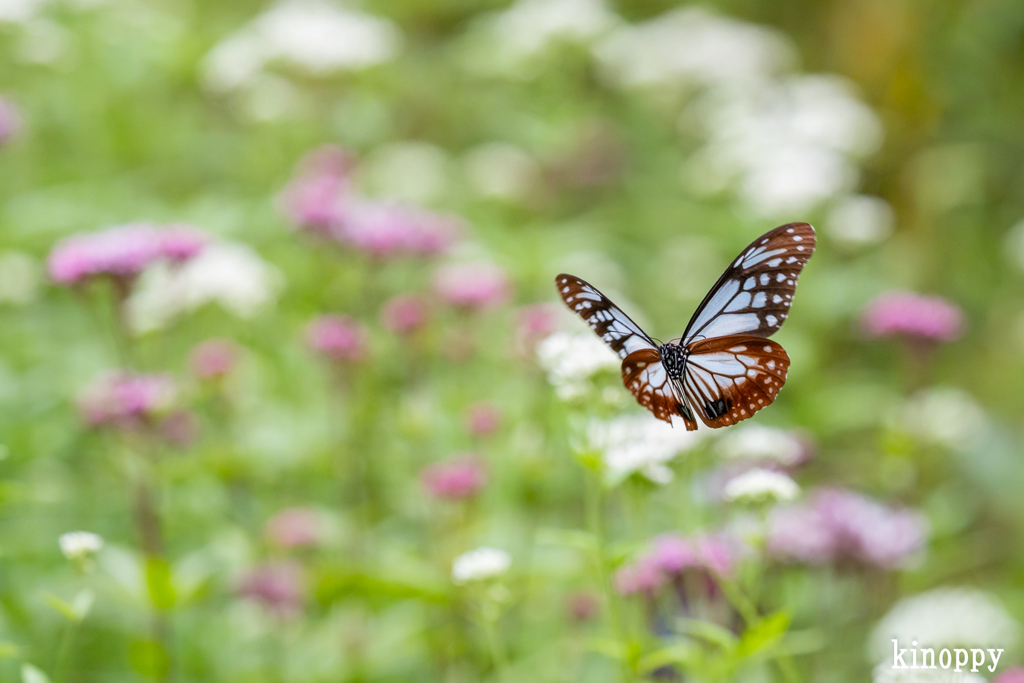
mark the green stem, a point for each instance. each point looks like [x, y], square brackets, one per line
[65, 650]
[496, 647]
[745, 606]
[595, 521]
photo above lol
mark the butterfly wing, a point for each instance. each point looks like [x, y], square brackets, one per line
[605, 318]
[645, 376]
[728, 379]
[754, 294]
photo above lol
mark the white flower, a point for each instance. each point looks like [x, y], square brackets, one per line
[498, 169]
[884, 673]
[18, 11]
[20, 278]
[756, 442]
[315, 35]
[942, 415]
[482, 563]
[232, 275]
[787, 145]
[639, 443]
[529, 26]
[78, 545]
[691, 45]
[760, 485]
[860, 220]
[570, 360]
[945, 618]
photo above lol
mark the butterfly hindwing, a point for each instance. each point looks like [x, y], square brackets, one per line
[754, 294]
[728, 379]
[645, 376]
[605, 318]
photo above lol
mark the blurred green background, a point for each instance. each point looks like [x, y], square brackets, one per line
[639, 145]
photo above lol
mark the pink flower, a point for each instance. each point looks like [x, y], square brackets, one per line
[643, 576]
[907, 314]
[671, 556]
[838, 524]
[389, 230]
[294, 528]
[1014, 675]
[404, 314]
[123, 399]
[315, 200]
[482, 419]
[338, 337]
[582, 606]
[182, 242]
[213, 358]
[454, 480]
[534, 322]
[473, 286]
[122, 251]
[275, 585]
[10, 120]
[180, 428]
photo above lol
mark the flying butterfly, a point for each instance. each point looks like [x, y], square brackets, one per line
[723, 369]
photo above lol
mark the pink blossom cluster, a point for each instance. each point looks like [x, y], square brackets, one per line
[123, 398]
[836, 524]
[275, 585]
[339, 337]
[294, 528]
[669, 557]
[1014, 675]
[456, 479]
[534, 323]
[10, 120]
[912, 315]
[404, 314]
[322, 200]
[387, 230]
[214, 358]
[482, 419]
[122, 252]
[472, 286]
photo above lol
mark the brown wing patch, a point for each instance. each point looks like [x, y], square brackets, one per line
[645, 376]
[728, 379]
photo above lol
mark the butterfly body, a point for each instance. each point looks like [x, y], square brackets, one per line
[723, 368]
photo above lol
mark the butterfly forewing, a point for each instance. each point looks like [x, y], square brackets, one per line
[645, 376]
[605, 318]
[754, 294]
[728, 379]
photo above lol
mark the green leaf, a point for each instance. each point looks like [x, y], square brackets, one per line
[680, 653]
[158, 579]
[149, 659]
[62, 606]
[32, 674]
[706, 630]
[764, 634]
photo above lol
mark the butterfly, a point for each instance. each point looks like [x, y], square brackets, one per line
[723, 369]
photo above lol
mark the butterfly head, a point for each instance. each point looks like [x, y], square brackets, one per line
[673, 357]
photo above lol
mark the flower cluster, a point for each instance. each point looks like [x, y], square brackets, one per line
[946, 617]
[454, 480]
[472, 286]
[671, 556]
[570, 360]
[337, 337]
[480, 564]
[123, 399]
[913, 316]
[637, 443]
[79, 545]
[322, 200]
[294, 528]
[760, 485]
[214, 359]
[122, 252]
[837, 525]
[275, 585]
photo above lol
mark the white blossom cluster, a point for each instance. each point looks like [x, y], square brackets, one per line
[637, 443]
[570, 360]
[480, 564]
[760, 485]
